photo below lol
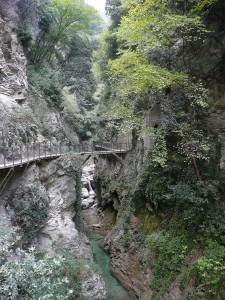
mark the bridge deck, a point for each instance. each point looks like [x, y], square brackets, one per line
[36, 152]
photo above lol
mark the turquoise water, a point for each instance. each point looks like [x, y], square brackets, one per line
[115, 291]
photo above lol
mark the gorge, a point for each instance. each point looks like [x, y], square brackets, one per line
[112, 150]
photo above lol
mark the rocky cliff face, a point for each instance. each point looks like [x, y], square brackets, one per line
[13, 63]
[123, 240]
[128, 217]
[37, 202]
[12, 73]
[25, 114]
[37, 209]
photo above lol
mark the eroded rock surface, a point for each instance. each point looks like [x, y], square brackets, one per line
[125, 246]
[88, 193]
[93, 286]
[56, 232]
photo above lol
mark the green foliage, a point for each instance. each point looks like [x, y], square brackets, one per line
[195, 207]
[134, 75]
[107, 48]
[196, 93]
[30, 204]
[152, 24]
[125, 194]
[153, 183]
[201, 5]
[76, 71]
[62, 19]
[192, 203]
[122, 118]
[172, 189]
[115, 10]
[159, 44]
[81, 124]
[151, 223]
[193, 143]
[61, 58]
[208, 273]
[148, 30]
[47, 278]
[167, 255]
[47, 82]
[159, 152]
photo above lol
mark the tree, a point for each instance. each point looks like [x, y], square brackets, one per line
[133, 75]
[60, 19]
[115, 10]
[148, 26]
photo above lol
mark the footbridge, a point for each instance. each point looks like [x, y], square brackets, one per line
[17, 156]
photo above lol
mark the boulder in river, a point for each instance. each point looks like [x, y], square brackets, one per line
[84, 193]
[87, 203]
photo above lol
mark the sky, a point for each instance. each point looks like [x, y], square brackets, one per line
[99, 5]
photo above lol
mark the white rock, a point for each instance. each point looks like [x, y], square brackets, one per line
[92, 194]
[87, 203]
[92, 285]
[96, 226]
[84, 193]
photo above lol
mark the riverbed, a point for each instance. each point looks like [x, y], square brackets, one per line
[92, 228]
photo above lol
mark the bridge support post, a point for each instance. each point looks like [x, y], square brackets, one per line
[4, 154]
[27, 153]
[21, 154]
[33, 151]
[50, 142]
[13, 156]
[39, 150]
[45, 148]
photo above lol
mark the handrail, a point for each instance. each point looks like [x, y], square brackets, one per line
[19, 155]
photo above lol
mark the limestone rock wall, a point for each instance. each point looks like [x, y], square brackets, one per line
[13, 87]
[57, 183]
[12, 63]
[24, 114]
[113, 182]
[50, 182]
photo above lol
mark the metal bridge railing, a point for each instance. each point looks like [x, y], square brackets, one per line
[22, 154]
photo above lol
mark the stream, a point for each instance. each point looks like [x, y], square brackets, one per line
[115, 290]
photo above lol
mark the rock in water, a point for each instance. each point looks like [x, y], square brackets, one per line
[84, 193]
[87, 203]
[92, 286]
[88, 194]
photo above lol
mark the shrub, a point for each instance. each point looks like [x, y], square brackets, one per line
[47, 82]
[30, 204]
[208, 273]
[168, 254]
[49, 278]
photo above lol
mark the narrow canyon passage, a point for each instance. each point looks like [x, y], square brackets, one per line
[92, 227]
[112, 150]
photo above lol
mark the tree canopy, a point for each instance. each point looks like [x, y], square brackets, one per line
[61, 20]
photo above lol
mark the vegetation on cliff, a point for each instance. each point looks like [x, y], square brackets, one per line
[152, 55]
[59, 37]
[32, 278]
